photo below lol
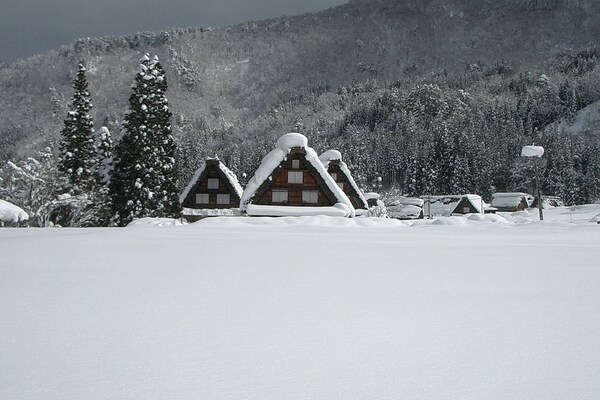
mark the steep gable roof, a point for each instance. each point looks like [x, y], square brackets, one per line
[446, 205]
[272, 163]
[334, 157]
[228, 176]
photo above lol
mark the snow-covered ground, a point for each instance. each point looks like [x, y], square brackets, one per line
[476, 307]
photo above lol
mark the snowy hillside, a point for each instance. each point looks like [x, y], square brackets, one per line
[482, 307]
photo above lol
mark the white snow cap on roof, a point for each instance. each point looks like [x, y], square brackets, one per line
[12, 213]
[532, 151]
[330, 155]
[510, 199]
[272, 160]
[290, 140]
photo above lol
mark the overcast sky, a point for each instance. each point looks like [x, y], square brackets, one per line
[29, 27]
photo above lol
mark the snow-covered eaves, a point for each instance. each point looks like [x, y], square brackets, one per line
[232, 178]
[190, 186]
[334, 155]
[337, 210]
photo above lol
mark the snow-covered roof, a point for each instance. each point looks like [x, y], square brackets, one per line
[232, 179]
[445, 205]
[228, 173]
[334, 155]
[411, 201]
[275, 157]
[510, 199]
[192, 183]
[330, 155]
[12, 213]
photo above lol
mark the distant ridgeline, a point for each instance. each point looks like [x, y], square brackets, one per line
[431, 96]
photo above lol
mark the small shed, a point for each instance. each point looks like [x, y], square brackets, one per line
[511, 202]
[292, 181]
[332, 161]
[213, 191]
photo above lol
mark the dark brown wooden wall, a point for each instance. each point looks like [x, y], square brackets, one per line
[280, 181]
[212, 171]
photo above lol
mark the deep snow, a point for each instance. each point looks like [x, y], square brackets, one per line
[476, 307]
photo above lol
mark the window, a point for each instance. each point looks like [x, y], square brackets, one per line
[202, 198]
[213, 183]
[334, 176]
[310, 196]
[295, 177]
[341, 185]
[466, 210]
[223, 198]
[279, 196]
[295, 164]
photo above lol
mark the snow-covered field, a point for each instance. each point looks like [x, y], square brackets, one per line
[304, 308]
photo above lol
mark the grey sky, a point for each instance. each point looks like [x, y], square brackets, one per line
[29, 27]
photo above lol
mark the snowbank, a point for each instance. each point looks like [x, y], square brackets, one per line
[327, 308]
[10, 213]
[155, 222]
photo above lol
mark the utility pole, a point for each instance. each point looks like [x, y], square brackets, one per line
[538, 152]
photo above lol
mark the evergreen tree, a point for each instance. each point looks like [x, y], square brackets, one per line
[144, 179]
[77, 149]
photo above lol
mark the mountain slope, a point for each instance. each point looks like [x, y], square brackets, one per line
[232, 75]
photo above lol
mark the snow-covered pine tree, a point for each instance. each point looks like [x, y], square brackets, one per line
[77, 148]
[143, 178]
[104, 154]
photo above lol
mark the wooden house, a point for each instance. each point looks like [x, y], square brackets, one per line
[511, 202]
[292, 181]
[214, 190]
[448, 205]
[332, 161]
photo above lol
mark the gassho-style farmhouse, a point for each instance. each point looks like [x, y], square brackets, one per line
[292, 180]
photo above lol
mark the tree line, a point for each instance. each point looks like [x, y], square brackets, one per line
[445, 133]
[92, 183]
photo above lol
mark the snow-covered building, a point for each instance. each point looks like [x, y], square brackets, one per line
[448, 205]
[332, 161]
[405, 208]
[292, 181]
[213, 190]
[511, 202]
[12, 215]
